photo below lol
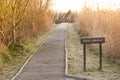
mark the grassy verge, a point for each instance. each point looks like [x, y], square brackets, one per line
[18, 59]
[111, 71]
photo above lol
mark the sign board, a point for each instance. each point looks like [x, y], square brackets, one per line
[93, 40]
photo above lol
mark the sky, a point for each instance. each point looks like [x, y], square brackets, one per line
[77, 5]
[65, 5]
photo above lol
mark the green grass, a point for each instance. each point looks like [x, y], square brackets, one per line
[111, 70]
[13, 60]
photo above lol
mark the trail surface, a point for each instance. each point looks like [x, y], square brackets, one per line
[49, 61]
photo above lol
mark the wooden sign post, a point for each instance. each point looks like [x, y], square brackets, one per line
[96, 40]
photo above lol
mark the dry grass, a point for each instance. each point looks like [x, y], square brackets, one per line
[75, 60]
[101, 23]
[12, 67]
[20, 24]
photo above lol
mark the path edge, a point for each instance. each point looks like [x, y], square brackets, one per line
[67, 75]
[29, 58]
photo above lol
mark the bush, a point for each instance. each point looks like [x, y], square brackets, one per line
[5, 56]
[20, 47]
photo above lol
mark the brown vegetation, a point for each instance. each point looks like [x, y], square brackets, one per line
[64, 17]
[110, 70]
[20, 20]
[101, 23]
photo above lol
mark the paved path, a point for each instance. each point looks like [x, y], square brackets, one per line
[49, 61]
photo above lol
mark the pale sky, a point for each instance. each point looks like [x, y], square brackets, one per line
[65, 5]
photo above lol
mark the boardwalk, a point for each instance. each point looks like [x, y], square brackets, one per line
[49, 61]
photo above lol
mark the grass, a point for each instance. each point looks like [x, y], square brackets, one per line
[18, 59]
[104, 23]
[111, 71]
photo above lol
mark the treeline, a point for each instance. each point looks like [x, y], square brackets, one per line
[105, 23]
[21, 20]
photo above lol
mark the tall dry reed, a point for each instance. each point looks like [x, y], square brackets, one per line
[101, 23]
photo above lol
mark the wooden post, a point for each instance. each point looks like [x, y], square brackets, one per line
[84, 46]
[96, 40]
[100, 46]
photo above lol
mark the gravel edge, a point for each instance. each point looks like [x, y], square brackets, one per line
[66, 63]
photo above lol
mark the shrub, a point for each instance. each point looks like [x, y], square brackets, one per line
[5, 56]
